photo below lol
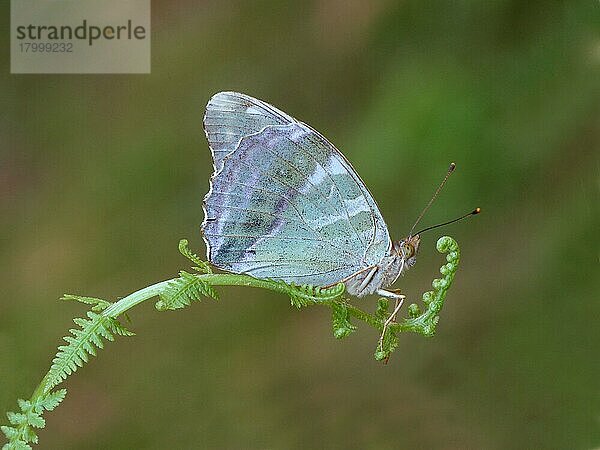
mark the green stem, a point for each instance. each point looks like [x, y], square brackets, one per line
[126, 303]
[213, 279]
[137, 297]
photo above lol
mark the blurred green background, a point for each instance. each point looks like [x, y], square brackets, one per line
[100, 176]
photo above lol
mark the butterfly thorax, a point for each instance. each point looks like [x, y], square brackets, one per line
[401, 255]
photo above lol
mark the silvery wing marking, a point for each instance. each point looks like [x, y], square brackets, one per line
[231, 116]
[285, 204]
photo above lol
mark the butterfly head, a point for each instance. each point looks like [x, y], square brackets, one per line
[407, 249]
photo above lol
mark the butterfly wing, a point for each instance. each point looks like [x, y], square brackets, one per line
[231, 116]
[286, 204]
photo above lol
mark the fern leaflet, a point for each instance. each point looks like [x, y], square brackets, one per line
[305, 295]
[21, 433]
[182, 291]
[201, 266]
[340, 320]
[98, 304]
[82, 344]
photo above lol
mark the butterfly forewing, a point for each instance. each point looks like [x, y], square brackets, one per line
[231, 116]
[285, 204]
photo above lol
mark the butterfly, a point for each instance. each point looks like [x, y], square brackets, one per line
[285, 204]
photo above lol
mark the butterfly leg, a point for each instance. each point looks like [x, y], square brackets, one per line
[395, 294]
[368, 278]
[399, 298]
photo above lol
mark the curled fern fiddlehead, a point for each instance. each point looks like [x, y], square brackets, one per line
[425, 323]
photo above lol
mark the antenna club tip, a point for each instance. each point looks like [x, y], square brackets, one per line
[476, 211]
[452, 166]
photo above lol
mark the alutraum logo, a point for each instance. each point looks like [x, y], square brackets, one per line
[85, 32]
[80, 36]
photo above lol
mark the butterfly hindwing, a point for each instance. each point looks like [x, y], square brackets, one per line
[285, 204]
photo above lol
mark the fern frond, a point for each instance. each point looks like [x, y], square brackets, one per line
[21, 433]
[14, 443]
[101, 325]
[82, 344]
[340, 319]
[201, 266]
[98, 304]
[382, 311]
[182, 291]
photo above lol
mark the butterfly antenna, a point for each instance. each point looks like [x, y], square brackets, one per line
[472, 213]
[450, 170]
